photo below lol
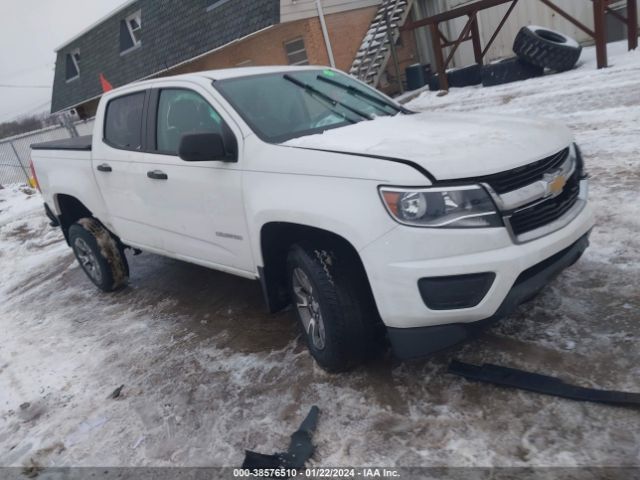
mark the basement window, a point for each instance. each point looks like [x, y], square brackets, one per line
[130, 32]
[72, 65]
[296, 53]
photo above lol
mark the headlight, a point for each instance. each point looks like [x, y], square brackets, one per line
[451, 207]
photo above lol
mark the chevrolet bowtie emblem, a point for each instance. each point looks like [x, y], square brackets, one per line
[555, 184]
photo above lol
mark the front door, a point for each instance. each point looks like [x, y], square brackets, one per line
[197, 208]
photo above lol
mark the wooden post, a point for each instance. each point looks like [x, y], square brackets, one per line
[599, 22]
[475, 38]
[632, 23]
[437, 51]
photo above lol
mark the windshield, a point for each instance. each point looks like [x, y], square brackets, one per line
[281, 106]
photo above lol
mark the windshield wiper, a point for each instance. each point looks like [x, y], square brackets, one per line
[314, 91]
[376, 102]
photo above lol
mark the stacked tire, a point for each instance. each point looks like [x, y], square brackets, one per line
[459, 77]
[509, 70]
[537, 49]
[547, 49]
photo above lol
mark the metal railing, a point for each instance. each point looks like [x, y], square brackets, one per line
[15, 151]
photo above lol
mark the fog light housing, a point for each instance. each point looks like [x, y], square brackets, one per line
[455, 292]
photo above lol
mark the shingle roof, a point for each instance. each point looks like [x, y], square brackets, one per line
[172, 32]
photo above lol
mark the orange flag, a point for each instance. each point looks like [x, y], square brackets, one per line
[106, 86]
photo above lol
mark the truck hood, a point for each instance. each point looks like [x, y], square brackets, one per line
[448, 145]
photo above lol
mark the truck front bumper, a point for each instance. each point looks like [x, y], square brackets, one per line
[398, 263]
[416, 342]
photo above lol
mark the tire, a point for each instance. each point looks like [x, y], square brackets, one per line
[546, 48]
[344, 324]
[99, 254]
[465, 77]
[459, 77]
[509, 70]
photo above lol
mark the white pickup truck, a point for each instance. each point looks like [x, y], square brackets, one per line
[377, 223]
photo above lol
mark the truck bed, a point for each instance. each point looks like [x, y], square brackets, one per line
[76, 143]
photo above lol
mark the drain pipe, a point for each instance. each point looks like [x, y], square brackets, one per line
[325, 33]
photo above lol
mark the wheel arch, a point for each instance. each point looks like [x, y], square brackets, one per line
[276, 238]
[70, 209]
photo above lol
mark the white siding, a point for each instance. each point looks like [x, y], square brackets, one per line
[291, 10]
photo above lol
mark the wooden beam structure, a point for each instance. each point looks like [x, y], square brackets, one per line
[471, 30]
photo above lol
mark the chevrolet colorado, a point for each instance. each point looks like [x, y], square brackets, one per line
[377, 223]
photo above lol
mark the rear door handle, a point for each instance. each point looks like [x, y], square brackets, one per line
[157, 175]
[105, 167]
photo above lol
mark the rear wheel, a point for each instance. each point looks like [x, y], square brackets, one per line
[99, 254]
[334, 310]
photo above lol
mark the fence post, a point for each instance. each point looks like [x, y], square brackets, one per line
[15, 152]
[68, 124]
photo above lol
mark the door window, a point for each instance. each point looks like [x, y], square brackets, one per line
[123, 122]
[183, 111]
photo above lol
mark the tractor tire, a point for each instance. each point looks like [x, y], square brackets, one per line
[509, 70]
[465, 77]
[459, 77]
[546, 48]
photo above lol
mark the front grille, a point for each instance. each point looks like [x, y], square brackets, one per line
[547, 211]
[504, 182]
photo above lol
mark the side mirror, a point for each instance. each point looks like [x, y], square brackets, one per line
[204, 147]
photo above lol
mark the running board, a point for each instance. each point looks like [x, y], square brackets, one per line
[546, 385]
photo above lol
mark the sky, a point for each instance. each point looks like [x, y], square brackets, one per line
[30, 30]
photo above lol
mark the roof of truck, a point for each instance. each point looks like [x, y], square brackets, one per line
[223, 74]
[226, 73]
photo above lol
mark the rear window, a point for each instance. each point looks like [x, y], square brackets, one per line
[123, 122]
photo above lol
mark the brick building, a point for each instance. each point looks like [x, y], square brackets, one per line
[149, 38]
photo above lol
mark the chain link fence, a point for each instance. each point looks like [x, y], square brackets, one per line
[15, 151]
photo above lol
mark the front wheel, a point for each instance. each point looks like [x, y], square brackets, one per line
[335, 314]
[99, 254]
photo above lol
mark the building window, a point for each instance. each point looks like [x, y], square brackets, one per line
[216, 4]
[73, 64]
[130, 32]
[296, 53]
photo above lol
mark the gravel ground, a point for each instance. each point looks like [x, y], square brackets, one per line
[207, 373]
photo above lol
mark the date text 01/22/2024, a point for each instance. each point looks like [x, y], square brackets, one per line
[318, 473]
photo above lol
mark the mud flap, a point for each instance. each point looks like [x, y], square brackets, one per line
[300, 448]
[546, 385]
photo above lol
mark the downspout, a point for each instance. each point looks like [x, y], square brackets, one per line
[325, 34]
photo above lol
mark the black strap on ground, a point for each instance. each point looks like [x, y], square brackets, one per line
[535, 382]
[300, 448]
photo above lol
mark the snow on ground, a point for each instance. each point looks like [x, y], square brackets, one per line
[207, 374]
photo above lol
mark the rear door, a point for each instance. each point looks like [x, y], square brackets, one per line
[120, 170]
[197, 208]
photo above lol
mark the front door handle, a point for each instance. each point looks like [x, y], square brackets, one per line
[105, 167]
[157, 175]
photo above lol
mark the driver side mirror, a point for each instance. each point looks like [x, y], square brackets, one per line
[204, 147]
